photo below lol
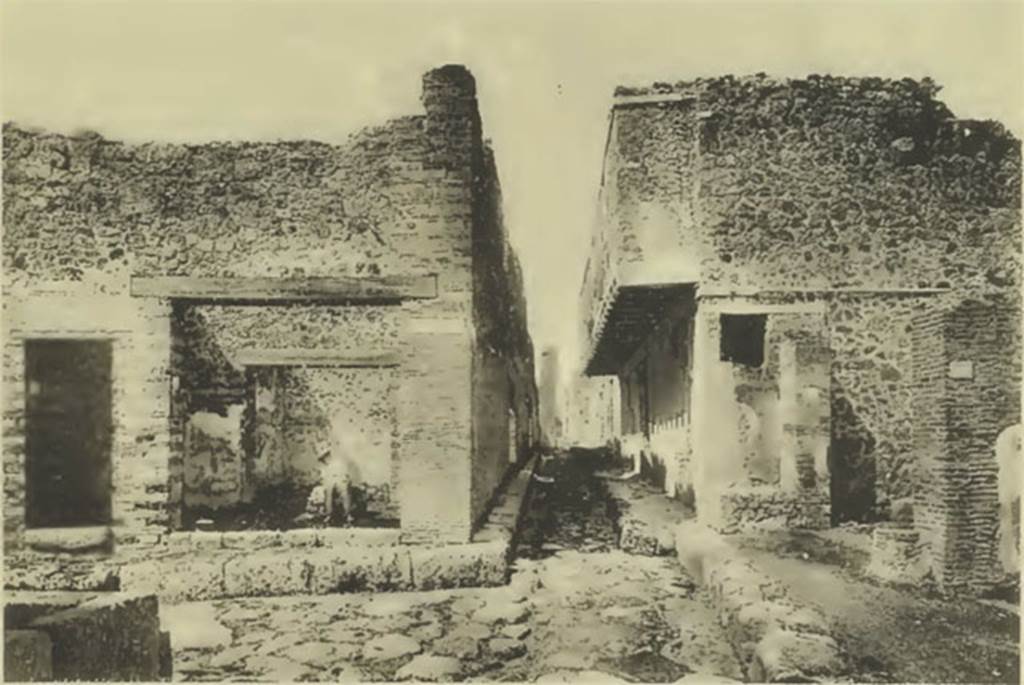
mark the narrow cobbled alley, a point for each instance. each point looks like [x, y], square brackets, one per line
[576, 609]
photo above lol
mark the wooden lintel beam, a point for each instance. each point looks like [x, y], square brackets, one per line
[307, 357]
[337, 288]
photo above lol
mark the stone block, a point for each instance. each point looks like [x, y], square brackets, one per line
[754, 621]
[27, 656]
[266, 573]
[46, 574]
[430, 668]
[789, 656]
[471, 565]
[194, 540]
[112, 637]
[897, 555]
[301, 537]
[177, 579]
[360, 537]
[356, 569]
[387, 647]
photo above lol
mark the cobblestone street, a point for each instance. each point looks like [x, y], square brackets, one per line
[576, 609]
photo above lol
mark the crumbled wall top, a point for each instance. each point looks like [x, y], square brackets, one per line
[75, 204]
[823, 182]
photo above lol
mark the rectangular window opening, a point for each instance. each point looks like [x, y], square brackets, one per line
[742, 339]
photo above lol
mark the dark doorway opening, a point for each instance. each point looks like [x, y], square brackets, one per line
[67, 432]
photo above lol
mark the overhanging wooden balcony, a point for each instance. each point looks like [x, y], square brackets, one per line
[634, 312]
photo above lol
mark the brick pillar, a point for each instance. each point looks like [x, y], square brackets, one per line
[967, 380]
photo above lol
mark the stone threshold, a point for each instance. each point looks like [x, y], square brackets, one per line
[202, 565]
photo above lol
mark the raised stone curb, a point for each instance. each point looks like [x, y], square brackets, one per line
[330, 561]
[776, 638]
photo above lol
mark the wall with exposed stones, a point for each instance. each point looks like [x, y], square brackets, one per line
[84, 215]
[865, 195]
[875, 174]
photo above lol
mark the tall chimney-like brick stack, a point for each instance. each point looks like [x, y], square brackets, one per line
[453, 120]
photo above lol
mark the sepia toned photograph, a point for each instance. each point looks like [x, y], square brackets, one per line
[487, 341]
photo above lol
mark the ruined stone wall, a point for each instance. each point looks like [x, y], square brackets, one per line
[651, 209]
[862, 193]
[829, 182]
[83, 214]
[872, 392]
[967, 392]
[77, 207]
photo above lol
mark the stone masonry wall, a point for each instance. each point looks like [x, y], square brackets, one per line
[865, 193]
[83, 214]
[874, 174]
[652, 212]
[78, 207]
[872, 392]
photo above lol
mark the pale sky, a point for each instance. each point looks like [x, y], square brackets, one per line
[198, 71]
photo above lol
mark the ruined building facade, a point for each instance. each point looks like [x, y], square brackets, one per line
[808, 291]
[189, 329]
